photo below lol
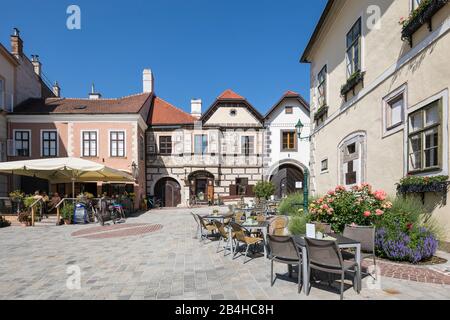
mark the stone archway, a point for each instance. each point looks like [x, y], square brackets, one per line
[168, 191]
[288, 177]
[201, 186]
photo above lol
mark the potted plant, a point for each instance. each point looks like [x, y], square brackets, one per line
[320, 231]
[17, 199]
[4, 223]
[67, 213]
[264, 189]
[216, 212]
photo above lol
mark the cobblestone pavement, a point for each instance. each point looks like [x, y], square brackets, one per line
[163, 263]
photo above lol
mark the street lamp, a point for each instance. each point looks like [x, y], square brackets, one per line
[299, 127]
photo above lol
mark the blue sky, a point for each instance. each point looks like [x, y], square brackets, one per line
[196, 48]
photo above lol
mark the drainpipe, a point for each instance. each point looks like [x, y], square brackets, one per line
[305, 191]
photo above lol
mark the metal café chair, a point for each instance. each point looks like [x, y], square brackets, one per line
[325, 256]
[243, 236]
[284, 250]
[224, 236]
[209, 228]
[366, 236]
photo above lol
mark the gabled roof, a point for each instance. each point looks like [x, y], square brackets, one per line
[124, 105]
[229, 96]
[289, 95]
[312, 40]
[8, 55]
[164, 113]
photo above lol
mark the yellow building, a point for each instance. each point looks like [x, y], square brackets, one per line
[379, 95]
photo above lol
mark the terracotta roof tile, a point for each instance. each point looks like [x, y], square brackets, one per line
[291, 94]
[230, 95]
[129, 104]
[164, 113]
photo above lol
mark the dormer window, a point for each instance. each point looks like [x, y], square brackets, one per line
[233, 112]
[289, 110]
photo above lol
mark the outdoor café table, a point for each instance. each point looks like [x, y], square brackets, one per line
[219, 217]
[343, 243]
[262, 226]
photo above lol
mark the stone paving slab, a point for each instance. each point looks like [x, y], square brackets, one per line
[168, 264]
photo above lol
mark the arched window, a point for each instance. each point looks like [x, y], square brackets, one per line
[352, 159]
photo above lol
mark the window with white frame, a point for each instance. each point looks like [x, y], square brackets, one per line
[49, 143]
[415, 4]
[424, 138]
[117, 143]
[322, 87]
[352, 155]
[353, 55]
[22, 143]
[324, 165]
[394, 111]
[89, 143]
[200, 143]
[247, 145]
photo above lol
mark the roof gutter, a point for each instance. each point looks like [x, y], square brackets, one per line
[312, 40]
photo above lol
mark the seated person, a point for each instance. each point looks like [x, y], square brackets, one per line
[54, 201]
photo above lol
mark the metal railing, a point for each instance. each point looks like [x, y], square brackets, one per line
[33, 209]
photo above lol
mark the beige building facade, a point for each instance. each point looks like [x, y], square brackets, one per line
[379, 103]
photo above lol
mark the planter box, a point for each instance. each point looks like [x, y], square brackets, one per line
[420, 188]
[352, 82]
[421, 18]
[322, 110]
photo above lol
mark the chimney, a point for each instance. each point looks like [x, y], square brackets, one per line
[36, 64]
[56, 90]
[147, 81]
[94, 95]
[16, 43]
[196, 108]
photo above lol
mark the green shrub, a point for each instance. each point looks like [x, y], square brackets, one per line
[4, 223]
[67, 211]
[297, 224]
[264, 189]
[290, 205]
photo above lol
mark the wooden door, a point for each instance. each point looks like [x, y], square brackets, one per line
[172, 194]
[210, 191]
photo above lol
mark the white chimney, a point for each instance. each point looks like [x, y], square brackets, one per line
[196, 108]
[36, 64]
[94, 95]
[56, 89]
[147, 81]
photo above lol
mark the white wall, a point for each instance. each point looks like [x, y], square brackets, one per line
[279, 121]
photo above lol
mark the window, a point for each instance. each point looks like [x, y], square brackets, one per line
[415, 4]
[22, 143]
[394, 106]
[324, 165]
[289, 110]
[353, 55]
[200, 143]
[288, 141]
[89, 143]
[233, 112]
[165, 145]
[352, 159]
[141, 148]
[49, 143]
[247, 145]
[117, 143]
[322, 87]
[424, 138]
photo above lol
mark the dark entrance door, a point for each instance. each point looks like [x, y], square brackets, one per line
[285, 180]
[168, 191]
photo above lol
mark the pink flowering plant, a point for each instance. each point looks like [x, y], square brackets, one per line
[359, 205]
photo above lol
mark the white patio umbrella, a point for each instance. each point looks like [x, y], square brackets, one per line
[61, 170]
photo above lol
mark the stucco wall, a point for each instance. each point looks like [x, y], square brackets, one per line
[279, 121]
[424, 75]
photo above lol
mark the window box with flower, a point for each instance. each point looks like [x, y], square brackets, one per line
[422, 185]
[418, 17]
[356, 78]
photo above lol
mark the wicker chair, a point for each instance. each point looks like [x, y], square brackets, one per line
[366, 236]
[243, 236]
[224, 236]
[210, 228]
[278, 225]
[284, 250]
[325, 256]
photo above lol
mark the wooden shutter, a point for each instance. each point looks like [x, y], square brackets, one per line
[233, 190]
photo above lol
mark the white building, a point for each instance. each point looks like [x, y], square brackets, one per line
[287, 156]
